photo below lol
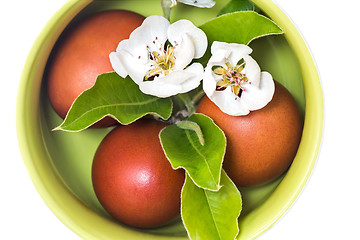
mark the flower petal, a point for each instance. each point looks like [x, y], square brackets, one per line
[125, 64]
[196, 72]
[229, 103]
[140, 51]
[252, 71]
[123, 45]
[209, 81]
[236, 51]
[151, 33]
[219, 58]
[174, 83]
[117, 65]
[199, 3]
[258, 97]
[198, 37]
[159, 89]
[184, 52]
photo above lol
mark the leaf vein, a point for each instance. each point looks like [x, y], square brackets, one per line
[114, 105]
[198, 151]
[212, 215]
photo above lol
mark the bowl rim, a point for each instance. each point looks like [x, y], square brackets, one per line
[310, 144]
[61, 200]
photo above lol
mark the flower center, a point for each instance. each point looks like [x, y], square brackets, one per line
[231, 77]
[162, 62]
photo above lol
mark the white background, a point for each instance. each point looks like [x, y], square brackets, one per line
[328, 207]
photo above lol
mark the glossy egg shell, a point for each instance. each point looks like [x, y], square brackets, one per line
[133, 179]
[262, 144]
[82, 53]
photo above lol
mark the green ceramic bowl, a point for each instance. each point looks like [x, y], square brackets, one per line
[59, 163]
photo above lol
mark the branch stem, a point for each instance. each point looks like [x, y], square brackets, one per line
[166, 6]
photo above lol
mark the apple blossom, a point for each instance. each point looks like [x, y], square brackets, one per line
[196, 3]
[233, 80]
[158, 54]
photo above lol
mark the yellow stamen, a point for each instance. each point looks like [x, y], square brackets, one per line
[222, 84]
[163, 63]
[235, 90]
[219, 71]
[232, 77]
[240, 68]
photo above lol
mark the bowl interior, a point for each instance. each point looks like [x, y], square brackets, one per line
[60, 162]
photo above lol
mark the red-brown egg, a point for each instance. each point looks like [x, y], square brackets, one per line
[262, 144]
[82, 53]
[133, 179]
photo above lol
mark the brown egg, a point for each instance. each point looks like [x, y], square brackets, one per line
[82, 53]
[262, 144]
[133, 179]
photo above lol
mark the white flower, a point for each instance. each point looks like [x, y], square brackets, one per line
[196, 3]
[233, 80]
[157, 56]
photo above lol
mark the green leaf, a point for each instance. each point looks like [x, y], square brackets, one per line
[189, 125]
[239, 27]
[113, 96]
[183, 148]
[211, 215]
[238, 5]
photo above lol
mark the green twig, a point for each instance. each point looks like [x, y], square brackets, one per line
[166, 6]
